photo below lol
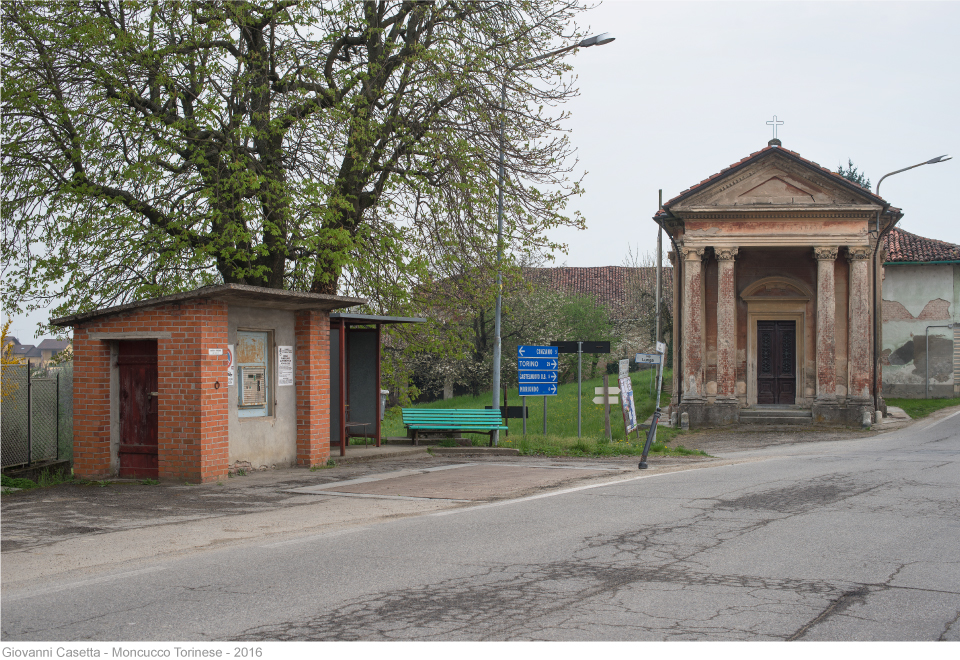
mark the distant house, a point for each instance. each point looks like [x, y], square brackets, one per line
[628, 293]
[921, 295]
[51, 348]
[616, 287]
[28, 353]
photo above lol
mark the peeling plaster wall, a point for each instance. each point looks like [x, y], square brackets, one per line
[915, 297]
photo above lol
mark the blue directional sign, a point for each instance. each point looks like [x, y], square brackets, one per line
[537, 351]
[538, 389]
[537, 376]
[537, 364]
[537, 370]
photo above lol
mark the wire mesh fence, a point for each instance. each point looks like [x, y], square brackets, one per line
[36, 414]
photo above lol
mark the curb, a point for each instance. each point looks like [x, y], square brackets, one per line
[474, 451]
[397, 453]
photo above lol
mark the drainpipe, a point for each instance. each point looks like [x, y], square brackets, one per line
[926, 381]
[876, 295]
[677, 292]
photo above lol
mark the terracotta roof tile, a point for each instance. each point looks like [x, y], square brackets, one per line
[903, 246]
[610, 285]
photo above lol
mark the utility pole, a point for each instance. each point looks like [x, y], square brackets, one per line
[659, 268]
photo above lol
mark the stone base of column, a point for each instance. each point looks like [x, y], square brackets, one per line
[725, 411]
[826, 413]
[705, 415]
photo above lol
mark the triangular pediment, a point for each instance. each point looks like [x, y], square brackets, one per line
[778, 190]
[773, 181]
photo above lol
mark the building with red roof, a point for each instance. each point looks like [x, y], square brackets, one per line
[920, 354]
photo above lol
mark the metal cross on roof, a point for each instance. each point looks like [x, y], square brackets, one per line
[774, 123]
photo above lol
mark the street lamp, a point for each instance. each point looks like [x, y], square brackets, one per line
[596, 40]
[876, 280]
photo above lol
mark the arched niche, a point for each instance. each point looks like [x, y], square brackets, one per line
[777, 298]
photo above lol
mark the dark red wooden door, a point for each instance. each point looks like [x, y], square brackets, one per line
[137, 363]
[776, 362]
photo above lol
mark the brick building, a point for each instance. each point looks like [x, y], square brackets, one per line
[184, 386]
[774, 304]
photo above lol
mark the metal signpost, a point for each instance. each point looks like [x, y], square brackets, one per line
[652, 433]
[580, 347]
[537, 368]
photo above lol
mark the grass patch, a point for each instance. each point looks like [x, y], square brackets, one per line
[561, 409]
[561, 437]
[326, 466]
[539, 445]
[918, 408]
[19, 482]
[45, 479]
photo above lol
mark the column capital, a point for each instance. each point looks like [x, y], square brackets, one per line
[672, 256]
[726, 253]
[858, 253]
[825, 253]
[692, 253]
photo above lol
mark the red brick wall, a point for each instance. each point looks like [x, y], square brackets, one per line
[312, 330]
[91, 405]
[192, 412]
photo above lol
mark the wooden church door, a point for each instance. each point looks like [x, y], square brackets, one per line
[776, 362]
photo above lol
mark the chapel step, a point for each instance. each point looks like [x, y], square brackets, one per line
[776, 416]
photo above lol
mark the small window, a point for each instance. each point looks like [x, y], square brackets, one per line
[253, 392]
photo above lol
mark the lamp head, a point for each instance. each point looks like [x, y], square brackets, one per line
[597, 40]
[939, 159]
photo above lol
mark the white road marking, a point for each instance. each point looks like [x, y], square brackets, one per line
[570, 490]
[315, 537]
[82, 583]
[940, 420]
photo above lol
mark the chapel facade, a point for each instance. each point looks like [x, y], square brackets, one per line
[775, 296]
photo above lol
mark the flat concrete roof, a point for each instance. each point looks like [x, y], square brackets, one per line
[234, 294]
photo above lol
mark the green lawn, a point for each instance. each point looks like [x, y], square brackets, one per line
[918, 408]
[561, 437]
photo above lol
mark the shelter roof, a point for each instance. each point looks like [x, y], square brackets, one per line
[371, 319]
[904, 247]
[235, 294]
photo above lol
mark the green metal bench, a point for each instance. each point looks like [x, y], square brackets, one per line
[451, 420]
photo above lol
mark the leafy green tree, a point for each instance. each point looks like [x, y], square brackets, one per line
[336, 147]
[851, 174]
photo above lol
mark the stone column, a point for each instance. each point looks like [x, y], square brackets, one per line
[692, 324]
[675, 358]
[859, 343]
[726, 326]
[826, 322]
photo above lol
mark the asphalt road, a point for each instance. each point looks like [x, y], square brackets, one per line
[841, 540]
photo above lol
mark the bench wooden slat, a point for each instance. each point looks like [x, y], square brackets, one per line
[469, 420]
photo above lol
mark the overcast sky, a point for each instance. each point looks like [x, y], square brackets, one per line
[686, 89]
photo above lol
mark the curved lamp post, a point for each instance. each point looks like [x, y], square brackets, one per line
[596, 40]
[876, 281]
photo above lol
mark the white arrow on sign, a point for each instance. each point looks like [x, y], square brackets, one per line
[521, 352]
[600, 400]
[611, 390]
